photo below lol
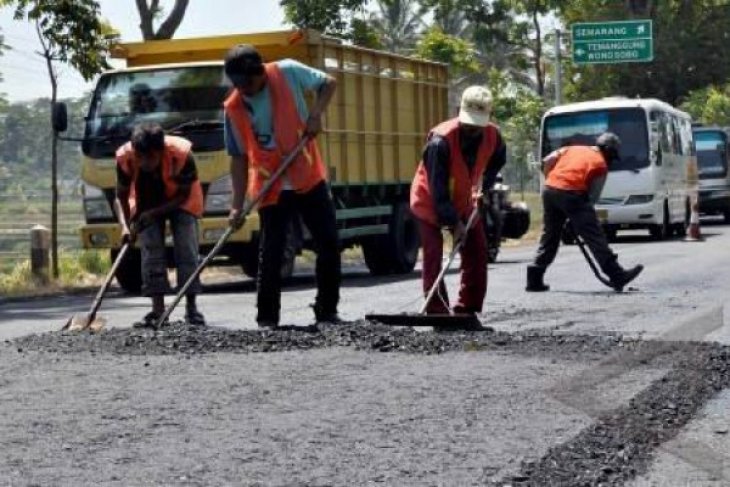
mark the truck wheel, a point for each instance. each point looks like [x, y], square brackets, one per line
[249, 259]
[404, 238]
[396, 251]
[129, 273]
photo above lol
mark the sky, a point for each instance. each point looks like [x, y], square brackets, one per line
[24, 72]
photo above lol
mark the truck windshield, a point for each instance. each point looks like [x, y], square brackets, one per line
[582, 128]
[189, 98]
[711, 153]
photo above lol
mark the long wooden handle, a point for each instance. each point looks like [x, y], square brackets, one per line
[107, 281]
[247, 207]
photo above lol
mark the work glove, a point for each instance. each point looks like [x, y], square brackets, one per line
[129, 233]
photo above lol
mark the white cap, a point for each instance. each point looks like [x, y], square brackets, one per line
[476, 106]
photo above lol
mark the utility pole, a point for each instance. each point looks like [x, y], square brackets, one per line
[558, 70]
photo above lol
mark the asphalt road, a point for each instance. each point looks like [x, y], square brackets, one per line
[580, 386]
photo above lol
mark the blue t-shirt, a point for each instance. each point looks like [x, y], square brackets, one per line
[300, 78]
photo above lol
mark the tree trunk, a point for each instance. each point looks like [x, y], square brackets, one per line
[168, 27]
[539, 74]
[54, 155]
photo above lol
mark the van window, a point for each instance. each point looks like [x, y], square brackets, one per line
[711, 153]
[582, 128]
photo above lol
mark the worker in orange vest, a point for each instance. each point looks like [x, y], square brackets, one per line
[575, 176]
[460, 163]
[266, 115]
[157, 181]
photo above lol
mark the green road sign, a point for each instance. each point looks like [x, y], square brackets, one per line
[629, 41]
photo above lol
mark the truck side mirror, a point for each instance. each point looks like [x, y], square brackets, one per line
[59, 117]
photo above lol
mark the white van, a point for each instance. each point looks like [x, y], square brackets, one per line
[655, 182]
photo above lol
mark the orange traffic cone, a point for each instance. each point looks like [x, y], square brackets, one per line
[693, 230]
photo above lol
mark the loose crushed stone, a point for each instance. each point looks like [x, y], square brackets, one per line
[180, 338]
[614, 449]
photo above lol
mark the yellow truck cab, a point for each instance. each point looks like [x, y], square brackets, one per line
[374, 133]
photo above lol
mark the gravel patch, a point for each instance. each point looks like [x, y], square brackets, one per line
[612, 442]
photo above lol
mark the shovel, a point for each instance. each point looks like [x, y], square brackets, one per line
[247, 207]
[441, 321]
[90, 321]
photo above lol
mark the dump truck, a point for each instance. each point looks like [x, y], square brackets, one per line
[374, 133]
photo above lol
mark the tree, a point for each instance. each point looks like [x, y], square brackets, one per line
[397, 23]
[70, 31]
[690, 49]
[148, 13]
[327, 16]
[710, 105]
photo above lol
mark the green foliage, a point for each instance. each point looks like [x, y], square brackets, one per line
[24, 149]
[397, 23]
[328, 16]
[690, 50]
[459, 54]
[710, 105]
[363, 34]
[94, 261]
[72, 31]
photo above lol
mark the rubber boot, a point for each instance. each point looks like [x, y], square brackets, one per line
[534, 280]
[622, 278]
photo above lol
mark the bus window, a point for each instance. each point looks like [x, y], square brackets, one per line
[630, 124]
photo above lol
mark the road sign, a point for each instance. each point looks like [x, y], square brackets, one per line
[629, 41]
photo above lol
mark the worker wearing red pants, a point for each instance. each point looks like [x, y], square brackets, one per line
[460, 162]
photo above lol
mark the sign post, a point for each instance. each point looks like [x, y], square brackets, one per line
[629, 41]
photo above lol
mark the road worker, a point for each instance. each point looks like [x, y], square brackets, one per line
[461, 160]
[157, 182]
[575, 176]
[266, 115]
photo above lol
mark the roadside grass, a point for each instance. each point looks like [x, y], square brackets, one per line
[76, 269]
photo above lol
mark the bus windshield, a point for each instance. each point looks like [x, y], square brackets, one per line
[190, 98]
[582, 128]
[711, 153]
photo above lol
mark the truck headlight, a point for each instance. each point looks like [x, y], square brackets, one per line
[95, 204]
[639, 199]
[220, 196]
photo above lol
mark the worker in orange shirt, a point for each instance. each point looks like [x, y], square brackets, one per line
[574, 179]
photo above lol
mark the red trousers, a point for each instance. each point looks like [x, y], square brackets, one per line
[473, 269]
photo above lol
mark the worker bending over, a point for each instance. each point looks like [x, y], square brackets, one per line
[460, 163]
[157, 182]
[575, 176]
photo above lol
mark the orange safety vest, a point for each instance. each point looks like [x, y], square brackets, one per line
[306, 171]
[174, 157]
[463, 185]
[577, 166]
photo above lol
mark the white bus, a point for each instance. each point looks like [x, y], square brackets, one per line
[655, 182]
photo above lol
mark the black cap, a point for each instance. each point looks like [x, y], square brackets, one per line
[243, 60]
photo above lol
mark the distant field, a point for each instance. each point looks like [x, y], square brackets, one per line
[19, 213]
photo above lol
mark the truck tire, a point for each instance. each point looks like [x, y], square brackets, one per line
[249, 259]
[129, 273]
[397, 251]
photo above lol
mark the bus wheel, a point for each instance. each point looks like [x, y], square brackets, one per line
[681, 227]
[664, 230]
[129, 273]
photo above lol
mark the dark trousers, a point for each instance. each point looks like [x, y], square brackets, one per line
[561, 205]
[473, 268]
[318, 212]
